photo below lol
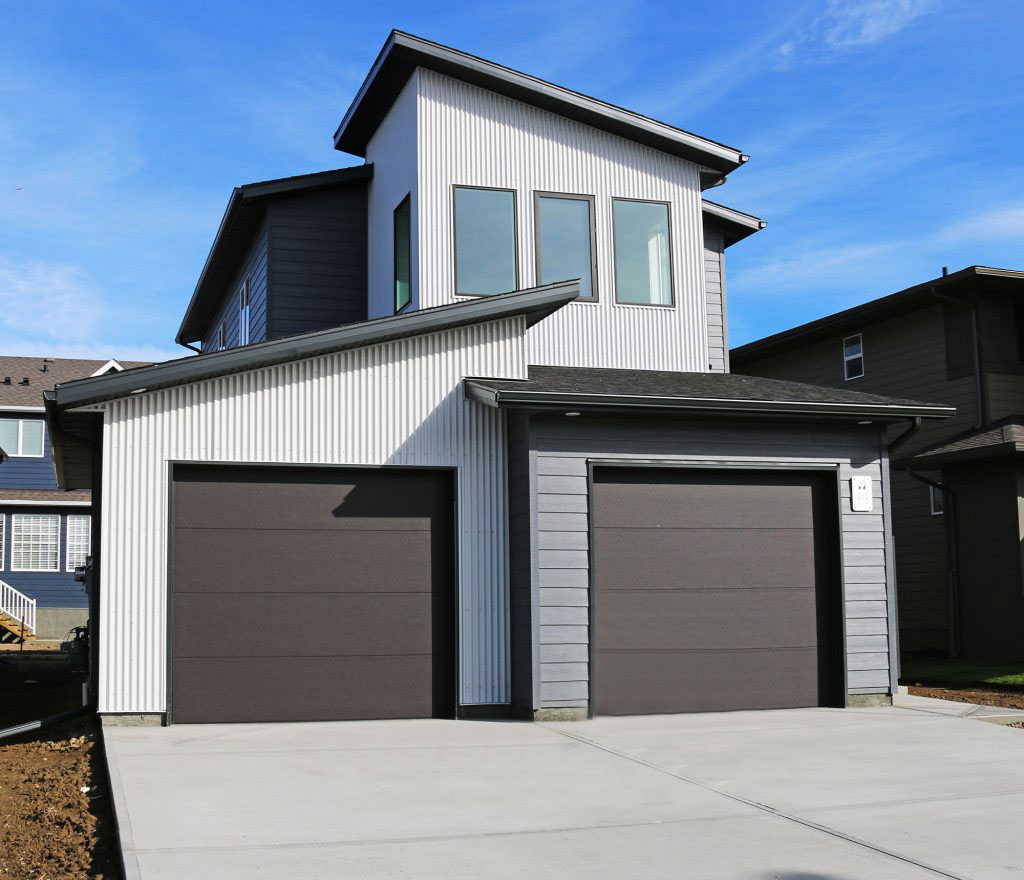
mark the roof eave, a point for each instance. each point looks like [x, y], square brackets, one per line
[352, 137]
[535, 304]
[735, 224]
[503, 398]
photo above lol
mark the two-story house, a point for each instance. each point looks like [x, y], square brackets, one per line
[44, 531]
[956, 486]
[461, 440]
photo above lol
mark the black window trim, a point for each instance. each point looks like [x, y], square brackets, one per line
[671, 256]
[394, 255]
[577, 197]
[455, 238]
[846, 359]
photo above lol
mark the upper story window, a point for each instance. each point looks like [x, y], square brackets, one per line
[244, 301]
[222, 336]
[936, 500]
[35, 542]
[853, 357]
[485, 241]
[643, 257]
[78, 541]
[22, 438]
[566, 246]
[403, 254]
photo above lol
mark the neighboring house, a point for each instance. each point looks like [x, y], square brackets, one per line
[957, 485]
[521, 481]
[44, 530]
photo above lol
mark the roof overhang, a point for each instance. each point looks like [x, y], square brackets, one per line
[242, 218]
[960, 456]
[966, 281]
[403, 53]
[479, 390]
[735, 225]
[534, 304]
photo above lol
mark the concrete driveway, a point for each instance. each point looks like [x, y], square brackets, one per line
[813, 794]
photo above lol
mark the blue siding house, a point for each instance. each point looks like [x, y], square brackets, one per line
[45, 532]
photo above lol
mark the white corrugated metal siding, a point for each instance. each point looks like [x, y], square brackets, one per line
[471, 136]
[395, 403]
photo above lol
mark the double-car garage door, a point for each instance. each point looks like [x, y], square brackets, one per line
[311, 594]
[713, 590]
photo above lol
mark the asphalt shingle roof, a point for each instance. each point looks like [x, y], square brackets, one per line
[57, 370]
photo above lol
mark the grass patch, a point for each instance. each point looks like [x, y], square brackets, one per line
[939, 670]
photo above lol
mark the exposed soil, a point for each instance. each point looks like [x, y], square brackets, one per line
[37, 645]
[55, 811]
[1008, 698]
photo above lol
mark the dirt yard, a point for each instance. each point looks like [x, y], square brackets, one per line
[1007, 698]
[55, 811]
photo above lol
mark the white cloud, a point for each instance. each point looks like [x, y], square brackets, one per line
[52, 310]
[822, 266]
[1001, 222]
[847, 25]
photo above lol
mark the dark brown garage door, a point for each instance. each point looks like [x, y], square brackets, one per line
[713, 590]
[311, 595]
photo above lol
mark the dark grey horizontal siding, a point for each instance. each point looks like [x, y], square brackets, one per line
[317, 247]
[903, 357]
[562, 448]
[714, 301]
[255, 266]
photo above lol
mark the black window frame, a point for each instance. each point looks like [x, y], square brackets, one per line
[572, 197]
[671, 256]
[405, 203]
[455, 237]
[847, 358]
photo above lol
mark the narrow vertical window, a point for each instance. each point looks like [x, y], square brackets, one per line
[403, 255]
[3, 539]
[78, 541]
[643, 254]
[853, 357]
[244, 299]
[222, 336]
[937, 500]
[565, 241]
[35, 542]
[485, 241]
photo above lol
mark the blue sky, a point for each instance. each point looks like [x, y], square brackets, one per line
[886, 136]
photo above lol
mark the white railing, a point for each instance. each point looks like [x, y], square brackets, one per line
[16, 604]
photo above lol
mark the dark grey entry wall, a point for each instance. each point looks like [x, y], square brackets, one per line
[302, 594]
[557, 454]
[714, 590]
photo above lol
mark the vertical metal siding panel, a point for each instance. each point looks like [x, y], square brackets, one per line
[390, 404]
[504, 143]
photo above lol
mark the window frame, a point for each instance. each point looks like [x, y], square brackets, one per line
[455, 236]
[671, 257]
[244, 303]
[21, 439]
[847, 358]
[933, 493]
[222, 335]
[67, 542]
[14, 518]
[572, 197]
[3, 539]
[394, 253]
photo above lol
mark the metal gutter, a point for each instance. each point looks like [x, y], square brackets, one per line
[406, 52]
[736, 222]
[561, 400]
[535, 304]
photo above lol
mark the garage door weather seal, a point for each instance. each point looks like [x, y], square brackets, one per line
[764, 808]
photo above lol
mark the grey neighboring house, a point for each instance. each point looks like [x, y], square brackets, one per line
[957, 485]
[473, 448]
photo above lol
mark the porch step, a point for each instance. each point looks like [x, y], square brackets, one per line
[14, 626]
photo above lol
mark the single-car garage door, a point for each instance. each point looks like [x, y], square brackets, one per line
[714, 590]
[303, 594]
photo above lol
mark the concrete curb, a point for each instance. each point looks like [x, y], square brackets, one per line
[125, 841]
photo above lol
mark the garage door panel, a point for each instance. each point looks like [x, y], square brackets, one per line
[653, 559]
[706, 619]
[318, 624]
[292, 498]
[300, 560]
[648, 682]
[705, 501]
[300, 688]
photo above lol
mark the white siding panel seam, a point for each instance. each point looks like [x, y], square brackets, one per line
[397, 403]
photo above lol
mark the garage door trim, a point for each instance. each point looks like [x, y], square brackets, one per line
[273, 465]
[711, 465]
